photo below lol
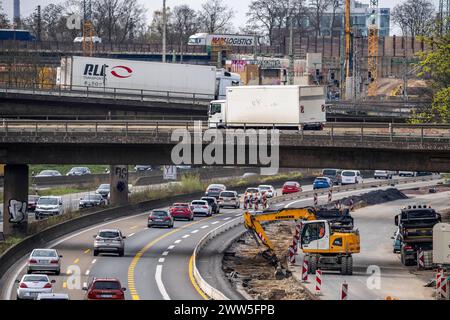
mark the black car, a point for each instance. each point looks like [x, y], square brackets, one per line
[424, 173]
[212, 202]
[92, 200]
[214, 190]
[103, 190]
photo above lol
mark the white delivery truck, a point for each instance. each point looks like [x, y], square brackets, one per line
[270, 106]
[150, 78]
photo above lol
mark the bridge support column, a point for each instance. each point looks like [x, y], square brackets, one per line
[15, 199]
[119, 185]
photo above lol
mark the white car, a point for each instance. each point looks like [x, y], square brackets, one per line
[48, 173]
[95, 39]
[407, 173]
[383, 174]
[31, 285]
[351, 177]
[229, 199]
[48, 206]
[268, 190]
[201, 207]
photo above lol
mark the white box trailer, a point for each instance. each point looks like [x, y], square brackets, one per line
[270, 106]
[441, 243]
[154, 78]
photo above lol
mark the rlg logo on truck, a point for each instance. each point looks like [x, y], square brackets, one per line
[123, 69]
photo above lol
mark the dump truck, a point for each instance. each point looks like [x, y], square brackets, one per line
[415, 226]
[284, 107]
[328, 238]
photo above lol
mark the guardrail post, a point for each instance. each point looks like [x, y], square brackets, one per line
[157, 127]
[66, 129]
[142, 95]
[115, 98]
[36, 129]
[302, 131]
[6, 128]
[96, 129]
[391, 132]
[168, 97]
[87, 92]
[193, 98]
[126, 129]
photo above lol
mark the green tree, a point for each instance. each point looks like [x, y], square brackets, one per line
[435, 66]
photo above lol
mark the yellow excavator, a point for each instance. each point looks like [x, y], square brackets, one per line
[328, 238]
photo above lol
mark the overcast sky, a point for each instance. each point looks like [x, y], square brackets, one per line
[239, 6]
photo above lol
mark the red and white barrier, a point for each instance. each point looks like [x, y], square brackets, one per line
[344, 291]
[316, 200]
[318, 282]
[305, 270]
[292, 252]
[420, 259]
[245, 203]
[438, 283]
[294, 245]
[330, 195]
[441, 285]
[351, 205]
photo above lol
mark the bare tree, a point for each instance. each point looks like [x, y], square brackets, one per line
[215, 17]
[335, 4]
[414, 17]
[4, 22]
[156, 26]
[317, 10]
[263, 14]
[184, 23]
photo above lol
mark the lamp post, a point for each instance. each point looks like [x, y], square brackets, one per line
[164, 17]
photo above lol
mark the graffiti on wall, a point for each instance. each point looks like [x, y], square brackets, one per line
[17, 211]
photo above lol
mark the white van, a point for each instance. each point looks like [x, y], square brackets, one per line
[48, 207]
[351, 177]
[95, 39]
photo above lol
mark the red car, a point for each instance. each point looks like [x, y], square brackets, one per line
[105, 289]
[181, 211]
[291, 187]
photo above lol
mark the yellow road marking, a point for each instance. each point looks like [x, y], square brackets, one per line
[133, 227]
[69, 272]
[64, 284]
[191, 277]
[137, 257]
[76, 260]
[87, 251]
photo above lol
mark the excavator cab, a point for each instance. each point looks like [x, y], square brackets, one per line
[315, 235]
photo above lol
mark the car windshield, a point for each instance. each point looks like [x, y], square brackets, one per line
[35, 278]
[264, 188]
[77, 169]
[181, 205]
[329, 172]
[227, 194]
[107, 285]
[202, 203]
[215, 108]
[104, 187]
[321, 179]
[93, 197]
[33, 198]
[47, 201]
[252, 190]
[47, 172]
[108, 234]
[290, 184]
[209, 200]
[348, 174]
[159, 214]
[44, 254]
[216, 186]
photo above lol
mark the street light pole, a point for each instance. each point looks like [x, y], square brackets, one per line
[291, 47]
[164, 32]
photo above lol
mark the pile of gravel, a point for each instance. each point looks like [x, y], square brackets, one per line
[374, 197]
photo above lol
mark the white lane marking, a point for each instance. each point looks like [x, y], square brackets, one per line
[165, 253]
[195, 231]
[225, 219]
[171, 247]
[161, 260]
[131, 234]
[186, 236]
[215, 222]
[87, 272]
[177, 241]
[239, 214]
[94, 261]
[159, 283]
[204, 227]
[84, 284]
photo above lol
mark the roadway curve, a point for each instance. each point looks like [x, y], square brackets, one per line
[156, 262]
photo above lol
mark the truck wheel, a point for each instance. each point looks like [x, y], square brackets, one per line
[312, 265]
[350, 265]
[344, 265]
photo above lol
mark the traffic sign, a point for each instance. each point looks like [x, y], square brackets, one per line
[170, 173]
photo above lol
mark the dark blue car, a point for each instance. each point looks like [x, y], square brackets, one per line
[322, 183]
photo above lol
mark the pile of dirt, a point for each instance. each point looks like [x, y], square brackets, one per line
[244, 264]
[373, 197]
[429, 189]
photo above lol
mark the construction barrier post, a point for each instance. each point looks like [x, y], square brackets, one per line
[438, 283]
[443, 287]
[318, 282]
[316, 201]
[420, 259]
[344, 291]
[305, 270]
[330, 195]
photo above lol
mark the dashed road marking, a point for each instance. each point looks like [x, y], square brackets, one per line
[177, 241]
[195, 231]
[84, 284]
[215, 222]
[87, 272]
[165, 253]
[227, 218]
[161, 260]
[186, 236]
[239, 214]
[94, 261]
[76, 260]
[170, 247]
[131, 234]
[159, 283]
[87, 251]
[204, 227]
[133, 227]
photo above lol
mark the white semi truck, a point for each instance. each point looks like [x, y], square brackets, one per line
[150, 78]
[270, 106]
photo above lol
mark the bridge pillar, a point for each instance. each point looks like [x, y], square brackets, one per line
[119, 185]
[15, 199]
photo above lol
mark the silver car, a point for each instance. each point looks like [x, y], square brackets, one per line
[229, 199]
[109, 241]
[31, 285]
[44, 260]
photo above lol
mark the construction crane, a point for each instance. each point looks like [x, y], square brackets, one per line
[372, 63]
[327, 238]
[88, 31]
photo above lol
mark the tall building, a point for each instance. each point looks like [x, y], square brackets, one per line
[359, 17]
[16, 13]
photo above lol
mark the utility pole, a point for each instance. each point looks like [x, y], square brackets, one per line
[291, 47]
[38, 18]
[164, 32]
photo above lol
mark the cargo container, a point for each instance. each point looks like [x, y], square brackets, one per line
[270, 106]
